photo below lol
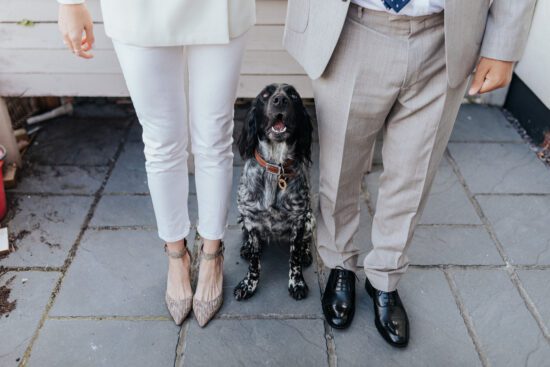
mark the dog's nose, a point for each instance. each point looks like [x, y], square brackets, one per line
[280, 100]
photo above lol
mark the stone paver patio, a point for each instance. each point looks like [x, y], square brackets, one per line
[88, 273]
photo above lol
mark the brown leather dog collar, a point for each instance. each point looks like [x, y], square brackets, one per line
[283, 171]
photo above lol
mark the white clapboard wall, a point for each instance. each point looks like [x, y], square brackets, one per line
[35, 62]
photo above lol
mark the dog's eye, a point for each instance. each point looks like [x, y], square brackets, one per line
[294, 96]
[265, 94]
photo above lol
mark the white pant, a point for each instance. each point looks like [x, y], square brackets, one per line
[155, 78]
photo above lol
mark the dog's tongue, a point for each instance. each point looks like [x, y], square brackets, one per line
[279, 125]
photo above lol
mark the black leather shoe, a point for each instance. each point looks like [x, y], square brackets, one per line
[390, 316]
[339, 298]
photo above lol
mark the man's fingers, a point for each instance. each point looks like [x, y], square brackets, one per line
[479, 79]
[491, 74]
[488, 85]
[491, 83]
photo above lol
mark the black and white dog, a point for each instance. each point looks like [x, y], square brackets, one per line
[274, 196]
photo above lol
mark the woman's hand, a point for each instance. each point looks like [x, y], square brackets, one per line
[76, 26]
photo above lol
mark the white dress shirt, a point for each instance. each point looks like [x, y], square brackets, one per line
[414, 8]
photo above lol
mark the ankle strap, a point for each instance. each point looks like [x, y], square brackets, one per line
[177, 254]
[216, 254]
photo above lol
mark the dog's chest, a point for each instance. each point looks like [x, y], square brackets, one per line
[265, 205]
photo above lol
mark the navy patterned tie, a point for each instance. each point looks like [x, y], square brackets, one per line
[396, 5]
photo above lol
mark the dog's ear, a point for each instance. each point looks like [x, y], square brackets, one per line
[304, 136]
[248, 141]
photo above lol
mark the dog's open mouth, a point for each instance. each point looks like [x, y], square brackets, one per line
[279, 126]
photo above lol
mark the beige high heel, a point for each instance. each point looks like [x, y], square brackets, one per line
[205, 310]
[178, 308]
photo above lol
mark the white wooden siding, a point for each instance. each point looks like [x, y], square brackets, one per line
[34, 61]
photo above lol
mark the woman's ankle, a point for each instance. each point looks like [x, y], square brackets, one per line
[211, 246]
[176, 246]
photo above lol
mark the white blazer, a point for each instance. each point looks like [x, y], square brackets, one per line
[150, 23]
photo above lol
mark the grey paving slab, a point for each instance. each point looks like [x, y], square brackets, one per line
[537, 286]
[73, 141]
[521, 225]
[115, 273]
[434, 245]
[31, 292]
[438, 334]
[441, 244]
[105, 343]
[256, 343]
[84, 180]
[501, 168]
[129, 174]
[98, 107]
[447, 201]
[483, 123]
[272, 296]
[237, 160]
[45, 228]
[134, 136]
[508, 334]
[131, 210]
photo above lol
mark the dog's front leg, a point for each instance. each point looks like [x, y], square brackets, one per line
[246, 247]
[247, 287]
[297, 286]
[306, 257]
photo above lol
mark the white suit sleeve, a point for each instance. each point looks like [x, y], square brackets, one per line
[71, 1]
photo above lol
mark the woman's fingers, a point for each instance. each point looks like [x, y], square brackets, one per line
[67, 42]
[89, 29]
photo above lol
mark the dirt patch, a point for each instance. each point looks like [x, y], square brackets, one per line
[5, 305]
[50, 245]
[544, 153]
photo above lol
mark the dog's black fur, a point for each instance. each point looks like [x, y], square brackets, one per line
[266, 211]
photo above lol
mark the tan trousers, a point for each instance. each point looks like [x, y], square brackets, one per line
[387, 72]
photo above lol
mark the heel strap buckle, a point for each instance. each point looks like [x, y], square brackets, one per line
[207, 256]
[177, 254]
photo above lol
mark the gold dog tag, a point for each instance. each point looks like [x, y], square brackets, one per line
[282, 183]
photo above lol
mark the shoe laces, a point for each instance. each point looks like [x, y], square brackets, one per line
[342, 279]
[387, 298]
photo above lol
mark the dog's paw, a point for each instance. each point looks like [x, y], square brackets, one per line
[298, 289]
[245, 289]
[306, 258]
[246, 252]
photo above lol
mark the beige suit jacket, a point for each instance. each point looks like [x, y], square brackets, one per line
[496, 30]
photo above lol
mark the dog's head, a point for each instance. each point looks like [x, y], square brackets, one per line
[277, 115]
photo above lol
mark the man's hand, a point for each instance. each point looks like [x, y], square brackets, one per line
[491, 74]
